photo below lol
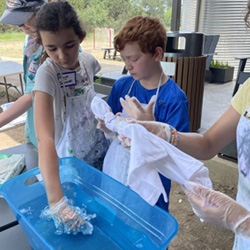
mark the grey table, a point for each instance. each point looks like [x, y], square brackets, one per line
[9, 68]
[14, 238]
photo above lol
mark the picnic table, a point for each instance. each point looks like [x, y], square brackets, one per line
[107, 52]
[9, 68]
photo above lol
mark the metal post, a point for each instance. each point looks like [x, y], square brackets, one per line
[197, 16]
[176, 15]
[6, 88]
[21, 82]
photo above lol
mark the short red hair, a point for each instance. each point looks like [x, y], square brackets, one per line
[149, 32]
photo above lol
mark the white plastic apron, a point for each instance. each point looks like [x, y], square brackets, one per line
[243, 195]
[116, 162]
[80, 138]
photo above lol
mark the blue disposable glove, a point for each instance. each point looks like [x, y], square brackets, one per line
[68, 218]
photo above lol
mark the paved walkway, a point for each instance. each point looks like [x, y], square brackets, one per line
[216, 100]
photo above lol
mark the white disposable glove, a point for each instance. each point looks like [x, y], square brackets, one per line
[163, 130]
[68, 218]
[219, 209]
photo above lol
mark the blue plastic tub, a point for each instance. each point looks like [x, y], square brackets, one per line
[124, 220]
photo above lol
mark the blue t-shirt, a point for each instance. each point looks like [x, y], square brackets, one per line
[171, 107]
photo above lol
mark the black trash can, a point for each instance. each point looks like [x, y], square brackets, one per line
[192, 44]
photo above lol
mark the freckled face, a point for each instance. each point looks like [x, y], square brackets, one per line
[62, 47]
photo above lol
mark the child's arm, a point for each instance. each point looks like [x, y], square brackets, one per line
[16, 109]
[201, 146]
[48, 159]
[67, 218]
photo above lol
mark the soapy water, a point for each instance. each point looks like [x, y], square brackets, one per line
[108, 229]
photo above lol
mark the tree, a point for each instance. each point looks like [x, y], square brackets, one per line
[112, 14]
[167, 18]
[5, 27]
[155, 8]
[94, 15]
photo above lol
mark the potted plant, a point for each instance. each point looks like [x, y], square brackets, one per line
[220, 72]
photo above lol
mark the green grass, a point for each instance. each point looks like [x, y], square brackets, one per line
[15, 36]
[11, 44]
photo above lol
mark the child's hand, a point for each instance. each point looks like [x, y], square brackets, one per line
[135, 110]
[125, 141]
[101, 125]
[68, 218]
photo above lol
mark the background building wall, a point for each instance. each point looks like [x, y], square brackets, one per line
[224, 18]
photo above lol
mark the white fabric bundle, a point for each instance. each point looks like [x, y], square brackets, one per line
[149, 155]
[102, 111]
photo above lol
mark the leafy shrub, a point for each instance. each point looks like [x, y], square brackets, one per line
[8, 28]
[218, 64]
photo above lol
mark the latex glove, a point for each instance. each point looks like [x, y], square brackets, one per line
[135, 110]
[162, 130]
[218, 209]
[68, 218]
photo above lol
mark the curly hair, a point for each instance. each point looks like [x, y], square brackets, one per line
[149, 32]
